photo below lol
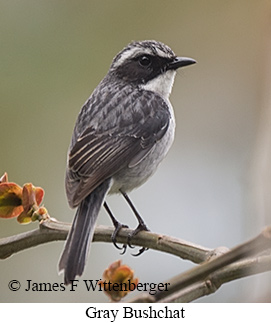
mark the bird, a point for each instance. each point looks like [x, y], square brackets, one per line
[122, 133]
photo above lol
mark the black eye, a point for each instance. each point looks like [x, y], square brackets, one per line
[144, 61]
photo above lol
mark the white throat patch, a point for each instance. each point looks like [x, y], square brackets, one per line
[162, 84]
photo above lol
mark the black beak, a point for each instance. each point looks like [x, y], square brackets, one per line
[180, 62]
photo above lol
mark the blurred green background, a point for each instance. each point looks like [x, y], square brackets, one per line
[54, 53]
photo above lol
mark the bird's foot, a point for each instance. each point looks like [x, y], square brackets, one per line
[141, 227]
[118, 226]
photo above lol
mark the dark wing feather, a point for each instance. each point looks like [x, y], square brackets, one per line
[99, 153]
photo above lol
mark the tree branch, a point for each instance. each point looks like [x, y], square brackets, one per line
[210, 275]
[52, 230]
[217, 266]
[212, 283]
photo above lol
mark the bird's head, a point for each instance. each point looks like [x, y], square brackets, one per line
[148, 64]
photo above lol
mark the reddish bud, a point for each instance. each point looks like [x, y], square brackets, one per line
[20, 202]
[32, 196]
[10, 199]
[121, 277]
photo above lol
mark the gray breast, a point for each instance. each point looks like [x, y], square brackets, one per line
[131, 177]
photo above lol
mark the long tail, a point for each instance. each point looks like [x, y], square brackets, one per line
[73, 258]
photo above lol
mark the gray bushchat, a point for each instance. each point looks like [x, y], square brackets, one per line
[122, 133]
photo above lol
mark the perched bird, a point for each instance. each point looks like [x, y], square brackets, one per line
[122, 133]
